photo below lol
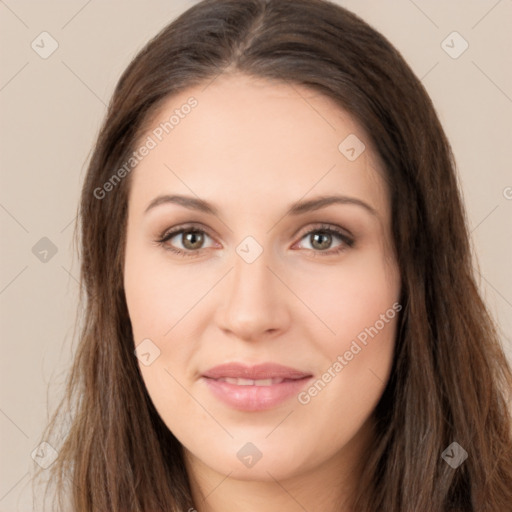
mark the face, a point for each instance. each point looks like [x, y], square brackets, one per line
[247, 269]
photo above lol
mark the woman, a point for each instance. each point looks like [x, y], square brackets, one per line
[281, 312]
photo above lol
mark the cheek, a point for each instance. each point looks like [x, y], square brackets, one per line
[160, 298]
[159, 294]
[351, 298]
[359, 304]
[157, 297]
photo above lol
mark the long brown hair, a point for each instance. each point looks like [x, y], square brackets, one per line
[450, 380]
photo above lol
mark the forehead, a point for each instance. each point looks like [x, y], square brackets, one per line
[246, 136]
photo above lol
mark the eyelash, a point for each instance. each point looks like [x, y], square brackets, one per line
[348, 242]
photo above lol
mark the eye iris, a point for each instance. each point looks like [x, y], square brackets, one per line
[318, 236]
[192, 239]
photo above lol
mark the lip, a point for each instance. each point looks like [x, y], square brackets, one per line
[251, 397]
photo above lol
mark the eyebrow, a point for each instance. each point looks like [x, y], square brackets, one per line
[297, 208]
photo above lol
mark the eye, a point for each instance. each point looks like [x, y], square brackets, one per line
[191, 239]
[321, 238]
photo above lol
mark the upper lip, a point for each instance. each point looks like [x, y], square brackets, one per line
[256, 372]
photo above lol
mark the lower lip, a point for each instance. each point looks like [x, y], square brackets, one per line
[255, 398]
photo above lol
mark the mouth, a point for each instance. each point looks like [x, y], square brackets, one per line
[254, 388]
[252, 382]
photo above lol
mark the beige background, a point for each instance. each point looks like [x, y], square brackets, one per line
[51, 110]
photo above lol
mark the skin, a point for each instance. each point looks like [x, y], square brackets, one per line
[252, 147]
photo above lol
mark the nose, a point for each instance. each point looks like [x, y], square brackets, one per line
[256, 301]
